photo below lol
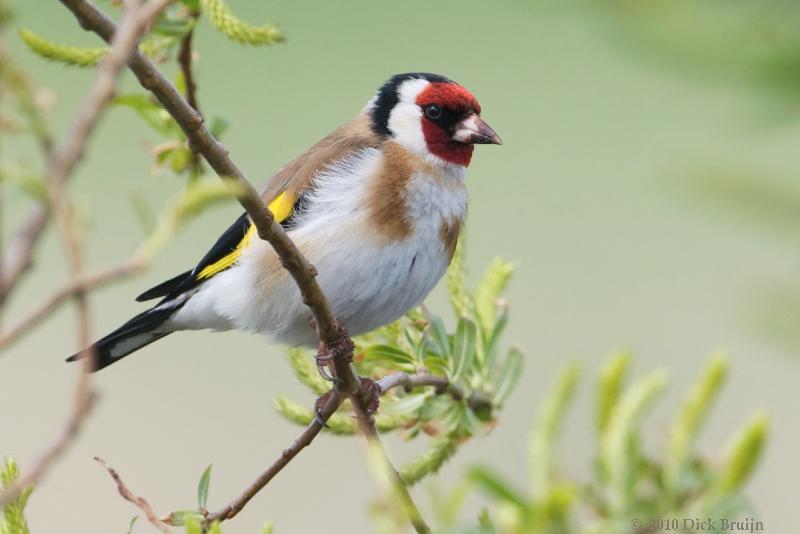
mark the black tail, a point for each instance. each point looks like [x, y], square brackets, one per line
[132, 336]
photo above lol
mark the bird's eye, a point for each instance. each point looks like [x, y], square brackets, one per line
[433, 112]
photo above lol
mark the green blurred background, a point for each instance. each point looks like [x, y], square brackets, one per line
[635, 192]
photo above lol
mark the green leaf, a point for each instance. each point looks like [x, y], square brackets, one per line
[267, 528]
[464, 344]
[496, 487]
[132, 523]
[488, 291]
[152, 112]
[490, 348]
[219, 126]
[612, 378]
[388, 354]
[202, 488]
[743, 453]
[549, 421]
[509, 376]
[440, 338]
[694, 412]
[455, 279]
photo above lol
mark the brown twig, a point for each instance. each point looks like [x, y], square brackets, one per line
[335, 344]
[17, 257]
[87, 283]
[185, 61]
[331, 404]
[476, 401]
[139, 502]
[60, 166]
[18, 254]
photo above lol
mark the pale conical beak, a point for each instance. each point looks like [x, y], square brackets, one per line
[474, 131]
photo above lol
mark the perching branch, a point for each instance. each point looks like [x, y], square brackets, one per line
[201, 140]
[139, 502]
[60, 166]
[336, 347]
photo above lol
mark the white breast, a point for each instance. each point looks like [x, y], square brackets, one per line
[369, 282]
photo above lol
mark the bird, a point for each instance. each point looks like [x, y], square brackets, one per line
[377, 207]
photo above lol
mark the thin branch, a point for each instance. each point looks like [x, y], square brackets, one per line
[18, 255]
[139, 502]
[61, 165]
[201, 140]
[476, 401]
[185, 61]
[87, 283]
[331, 404]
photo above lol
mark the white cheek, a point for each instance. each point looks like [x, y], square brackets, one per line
[406, 124]
[405, 121]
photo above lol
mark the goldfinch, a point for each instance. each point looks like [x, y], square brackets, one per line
[376, 207]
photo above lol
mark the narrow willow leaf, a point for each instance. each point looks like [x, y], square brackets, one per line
[441, 341]
[618, 457]
[549, 420]
[202, 488]
[693, 413]
[743, 453]
[493, 485]
[388, 354]
[509, 376]
[464, 344]
[488, 291]
[609, 387]
[267, 528]
[219, 125]
[214, 528]
[132, 523]
[455, 279]
[490, 347]
[70, 55]
[236, 29]
[151, 112]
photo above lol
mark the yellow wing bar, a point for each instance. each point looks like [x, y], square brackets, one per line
[281, 208]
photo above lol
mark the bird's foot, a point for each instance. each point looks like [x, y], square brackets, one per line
[328, 356]
[370, 395]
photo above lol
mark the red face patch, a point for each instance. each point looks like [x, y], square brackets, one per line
[456, 103]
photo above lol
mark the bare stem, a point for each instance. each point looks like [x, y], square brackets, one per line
[476, 400]
[331, 404]
[87, 283]
[140, 502]
[60, 166]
